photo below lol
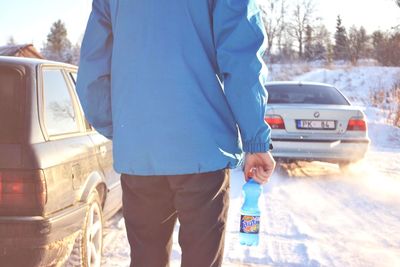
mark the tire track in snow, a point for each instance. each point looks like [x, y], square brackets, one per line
[348, 217]
[312, 215]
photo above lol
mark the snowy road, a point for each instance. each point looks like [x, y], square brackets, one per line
[315, 216]
[312, 215]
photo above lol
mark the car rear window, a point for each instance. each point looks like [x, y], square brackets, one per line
[10, 104]
[305, 94]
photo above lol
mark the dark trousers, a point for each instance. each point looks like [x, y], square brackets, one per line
[151, 205]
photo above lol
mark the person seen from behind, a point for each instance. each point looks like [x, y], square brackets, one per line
[178, 86]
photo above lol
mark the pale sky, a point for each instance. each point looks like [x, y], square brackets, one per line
[29, 21]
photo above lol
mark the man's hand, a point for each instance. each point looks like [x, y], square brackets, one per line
[259, 166]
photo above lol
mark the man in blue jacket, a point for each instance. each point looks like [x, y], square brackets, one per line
[178, 86]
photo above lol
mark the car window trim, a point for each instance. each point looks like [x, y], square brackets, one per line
[72, 89]
[42, 120]
[72, 82]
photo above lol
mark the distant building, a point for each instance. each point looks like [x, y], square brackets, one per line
[26, 50]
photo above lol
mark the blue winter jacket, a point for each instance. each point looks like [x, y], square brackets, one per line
[173, 82]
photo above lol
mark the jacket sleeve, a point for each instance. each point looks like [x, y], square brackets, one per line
[94, 75]
[239, 37]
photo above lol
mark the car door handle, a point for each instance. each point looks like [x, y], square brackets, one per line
[75, 175]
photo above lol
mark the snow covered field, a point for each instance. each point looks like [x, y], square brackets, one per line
[312, 213]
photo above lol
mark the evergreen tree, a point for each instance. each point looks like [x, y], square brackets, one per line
[340, 50]
[58, 47]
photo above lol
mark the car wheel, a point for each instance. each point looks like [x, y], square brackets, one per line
[89, 244]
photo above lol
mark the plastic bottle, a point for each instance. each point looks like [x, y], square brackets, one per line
[250, 214]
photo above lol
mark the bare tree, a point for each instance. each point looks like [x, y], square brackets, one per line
[322, 35]
[302, 16]
[274, 13]
[317, 43]
[386, 47]
[308, 46]
[61, 110]
[282, 34]
[397, 27]
[358, 41]
[287, 53]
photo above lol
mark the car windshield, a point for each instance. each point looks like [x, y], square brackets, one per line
[304, 94]
[10, 105]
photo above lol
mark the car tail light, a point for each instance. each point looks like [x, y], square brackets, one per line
[275, 121]
[357, 125]
[22, 192]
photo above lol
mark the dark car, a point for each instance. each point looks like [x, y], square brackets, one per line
[57, 182]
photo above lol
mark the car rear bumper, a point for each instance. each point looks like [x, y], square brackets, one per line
[34, 241]
[348, 150]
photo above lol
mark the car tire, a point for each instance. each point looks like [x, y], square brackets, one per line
[344, 166]
[88, 246]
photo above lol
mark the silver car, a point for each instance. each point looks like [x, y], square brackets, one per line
[315, 121]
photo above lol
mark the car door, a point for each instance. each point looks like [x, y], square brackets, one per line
[68, 155]
[104, 155]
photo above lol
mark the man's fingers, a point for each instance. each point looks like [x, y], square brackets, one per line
[259, 166]
[256, 177]
[261, 173]
[269, 172]
[247, 172]
[260, 176]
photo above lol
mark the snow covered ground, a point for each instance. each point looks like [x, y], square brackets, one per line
[312, 213]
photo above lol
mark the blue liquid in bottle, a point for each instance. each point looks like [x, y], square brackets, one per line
[250, 214]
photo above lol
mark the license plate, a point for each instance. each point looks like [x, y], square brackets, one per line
[316, 124]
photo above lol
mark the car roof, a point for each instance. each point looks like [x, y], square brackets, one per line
[32, 62]
[299, 83]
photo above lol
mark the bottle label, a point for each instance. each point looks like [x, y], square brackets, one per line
[249, 224]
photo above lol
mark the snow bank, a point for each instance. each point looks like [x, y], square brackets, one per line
[357, 83]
